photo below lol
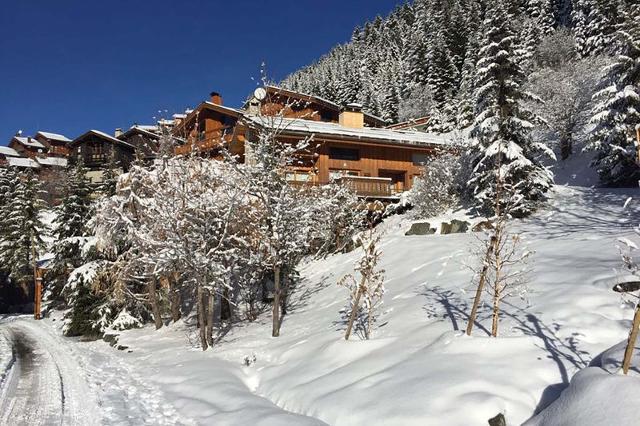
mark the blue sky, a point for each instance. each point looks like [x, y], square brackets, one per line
[67, 66]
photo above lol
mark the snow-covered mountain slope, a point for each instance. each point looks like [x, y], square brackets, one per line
[419, 368]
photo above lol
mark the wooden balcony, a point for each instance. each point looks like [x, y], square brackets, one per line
[365, 187]
[373, 187]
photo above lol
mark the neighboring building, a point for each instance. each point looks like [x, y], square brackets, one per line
[7, 152]
[97, 149]
[205, 129]
[55, 144]
[27, 146]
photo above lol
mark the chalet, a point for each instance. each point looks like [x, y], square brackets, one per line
[208, 126]
[145, 139]
[98, 149]
[55, 144]
[419, 124]
[290, 104]
[348, 144]
[374, 161]
[27, 146]
[5, 153]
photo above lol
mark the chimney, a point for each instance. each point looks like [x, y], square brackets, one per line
[352, 116]
[118, 132]
[216, 98]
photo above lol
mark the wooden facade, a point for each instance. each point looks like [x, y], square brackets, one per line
[96, 150]
[56, 145]
[348, 145]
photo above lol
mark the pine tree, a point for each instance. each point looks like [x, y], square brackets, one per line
[70, 230]
[22, 238]
[109, 176]
[617, 112]
[503, 149]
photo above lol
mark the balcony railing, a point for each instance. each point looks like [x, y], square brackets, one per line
[368, 187]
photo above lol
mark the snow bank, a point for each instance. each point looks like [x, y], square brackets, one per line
[594, 398]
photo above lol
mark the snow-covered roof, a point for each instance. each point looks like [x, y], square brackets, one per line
[8, 151]
[327, 102]
[334, 130]
[54, 136]
[52, 161]
[147, 127]
[22, 162]
[104, 136]
[26, 141]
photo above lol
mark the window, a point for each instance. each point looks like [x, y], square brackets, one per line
[419, 159]
[344, 154]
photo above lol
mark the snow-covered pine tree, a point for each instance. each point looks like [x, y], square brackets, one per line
[502, 142]
[70, 229]
[22, 239]
[107, 187]
[617, 111]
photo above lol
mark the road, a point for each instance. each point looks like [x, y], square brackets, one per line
[41, 385]
[46, 379]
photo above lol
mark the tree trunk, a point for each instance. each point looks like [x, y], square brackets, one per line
[210, 305]
[174, 299]
[202, 322]
[225, 306]
[276, 302]
[631, 342]
[497, 290]
[566, 146]
[354, 309]
[153, 301]
[481, 283]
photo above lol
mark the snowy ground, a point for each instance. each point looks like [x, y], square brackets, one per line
[419, 369]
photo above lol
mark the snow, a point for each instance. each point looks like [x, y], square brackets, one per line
[419, 368]
[52, 161]
[320, 128]
[8, 151]
[27, 141]
[54, 136]
[22, 162]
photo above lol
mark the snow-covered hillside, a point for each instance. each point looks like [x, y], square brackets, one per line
[419, 368]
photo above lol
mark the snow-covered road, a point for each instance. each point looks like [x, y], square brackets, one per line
[41, 385]
[46, 379]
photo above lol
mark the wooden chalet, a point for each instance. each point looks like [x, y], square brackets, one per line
[55, 144]
[207, 127]
[97, 149]
[290, 104]
[7, 153]
[145, 139]
[376, 162]
[348, 145]
[26, 146]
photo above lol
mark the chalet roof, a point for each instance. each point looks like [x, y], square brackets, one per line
[336, 131]
[410, 123]
[27, 141]
[101, 135]
[54, 136]
[8, 151]
[23, 162]
[319, 100]
[52, 161]
[145, 130]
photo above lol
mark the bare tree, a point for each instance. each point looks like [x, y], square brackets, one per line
[365, 293]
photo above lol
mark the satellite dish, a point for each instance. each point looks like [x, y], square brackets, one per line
[260, 93]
